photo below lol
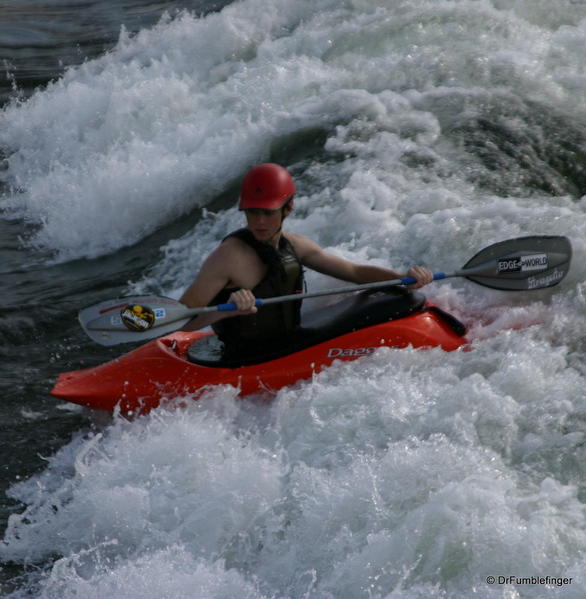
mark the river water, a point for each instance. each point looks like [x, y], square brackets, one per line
[418, 132]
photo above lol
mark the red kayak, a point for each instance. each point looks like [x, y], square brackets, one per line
[187, 363]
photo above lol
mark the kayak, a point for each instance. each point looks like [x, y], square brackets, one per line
[382, 315]
[188, 363]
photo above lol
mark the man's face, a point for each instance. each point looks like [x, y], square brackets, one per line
[263, 224]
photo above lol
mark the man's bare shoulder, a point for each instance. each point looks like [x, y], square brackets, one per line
[236, 263]
[303, 245]
[229, 251]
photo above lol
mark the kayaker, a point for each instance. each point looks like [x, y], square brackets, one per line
[262, 260]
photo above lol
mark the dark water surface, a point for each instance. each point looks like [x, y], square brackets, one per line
[39, 39]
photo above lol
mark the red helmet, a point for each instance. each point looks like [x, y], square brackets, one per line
[267, 186]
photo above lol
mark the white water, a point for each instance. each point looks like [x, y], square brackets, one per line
[407, 474]
[417, 475]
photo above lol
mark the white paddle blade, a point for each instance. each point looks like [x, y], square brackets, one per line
[124, 320]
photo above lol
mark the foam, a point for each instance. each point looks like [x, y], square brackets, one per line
[163, 123]
[400, 471]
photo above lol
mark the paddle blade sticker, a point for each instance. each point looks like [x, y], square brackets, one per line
[521, 264]
[137, 318]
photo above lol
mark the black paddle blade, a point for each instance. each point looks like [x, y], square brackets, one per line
[521, 264]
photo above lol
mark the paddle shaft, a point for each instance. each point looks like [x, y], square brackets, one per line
[231, 306]
[521, 264]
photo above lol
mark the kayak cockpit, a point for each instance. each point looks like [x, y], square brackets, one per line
[322, 324]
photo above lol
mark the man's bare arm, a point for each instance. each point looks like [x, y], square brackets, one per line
[313, 256]
[215, 274]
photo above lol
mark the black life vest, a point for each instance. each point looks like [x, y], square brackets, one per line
[273, 323]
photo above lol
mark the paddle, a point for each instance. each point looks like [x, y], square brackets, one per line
[520, 264]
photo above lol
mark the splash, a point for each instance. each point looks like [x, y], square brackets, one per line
[170, 118]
